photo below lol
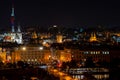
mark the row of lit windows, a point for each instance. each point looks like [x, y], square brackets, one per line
[29, 60]
[96, 52]
[95, 56]
[105, 52]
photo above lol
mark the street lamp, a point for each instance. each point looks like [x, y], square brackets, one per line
[41, 48]
[24, 48]
[41, 54]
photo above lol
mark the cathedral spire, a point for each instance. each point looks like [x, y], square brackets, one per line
[12, 18]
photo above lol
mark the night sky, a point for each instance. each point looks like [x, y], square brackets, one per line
[62, 13]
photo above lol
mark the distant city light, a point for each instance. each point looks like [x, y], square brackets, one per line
[54, 25]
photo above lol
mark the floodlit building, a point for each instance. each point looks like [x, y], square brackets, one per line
[59, 38]
[32, 54]
[13, 36]
[93, 37]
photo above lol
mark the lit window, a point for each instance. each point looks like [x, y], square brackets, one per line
[103, 52]
[72, 55]
[32, 60]
[98, 52]
[86, 52]
[92, 52]
[28, 59]
[35, 59]
[107, 52]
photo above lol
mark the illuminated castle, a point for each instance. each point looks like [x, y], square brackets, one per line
[13, 36]
[93, 37]
[34, 35]
[59, 38]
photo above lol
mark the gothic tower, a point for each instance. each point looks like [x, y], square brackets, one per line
[18, 36]
[59, 38]
[13, 36]
[93, 37]
[12, 19]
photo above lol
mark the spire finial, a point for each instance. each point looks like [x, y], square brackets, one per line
[12, 18]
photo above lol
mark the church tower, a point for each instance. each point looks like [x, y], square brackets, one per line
[13, 36]
[34, 35]
[18, 36]
[93, 37]
[59, 38]
[12, 19]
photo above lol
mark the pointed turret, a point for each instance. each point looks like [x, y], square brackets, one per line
[19, 30]
[34, 35]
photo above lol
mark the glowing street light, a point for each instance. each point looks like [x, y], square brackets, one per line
[41, 48]
[24, 48]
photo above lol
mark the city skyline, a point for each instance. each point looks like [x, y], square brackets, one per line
[68, 40]
[61, 13]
